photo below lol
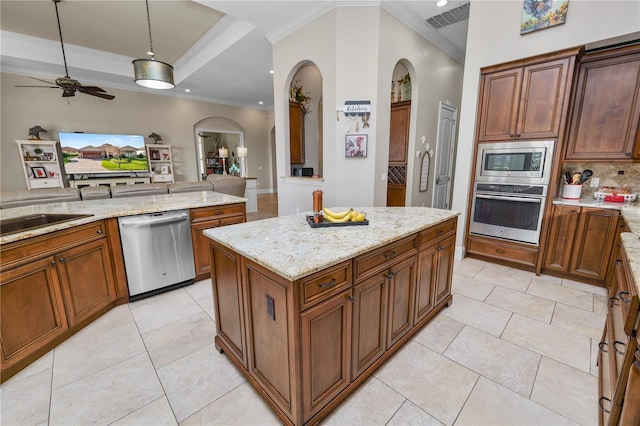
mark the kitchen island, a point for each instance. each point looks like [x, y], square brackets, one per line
[307, 314]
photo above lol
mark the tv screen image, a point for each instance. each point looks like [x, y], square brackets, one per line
[89, 153]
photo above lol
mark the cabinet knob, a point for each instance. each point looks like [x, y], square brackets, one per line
[61, 259]
[628, 154]
[500, 251]
[53, 262]
[99, 231]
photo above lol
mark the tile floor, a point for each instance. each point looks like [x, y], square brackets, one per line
[512, 349]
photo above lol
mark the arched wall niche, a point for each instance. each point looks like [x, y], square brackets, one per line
[221, 131]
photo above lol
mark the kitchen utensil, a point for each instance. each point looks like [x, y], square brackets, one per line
[576, 178]
[567, 178]
[586, 174]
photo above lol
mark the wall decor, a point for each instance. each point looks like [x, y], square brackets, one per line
[541, 14]
[424, 172]
[355, 146]
[155, 154]
[39, 172]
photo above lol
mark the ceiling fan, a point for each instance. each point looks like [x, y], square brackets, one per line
[68, 85]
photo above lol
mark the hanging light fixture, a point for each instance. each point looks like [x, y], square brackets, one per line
[151, 73]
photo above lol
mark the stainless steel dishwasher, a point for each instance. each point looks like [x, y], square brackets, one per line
[158, 252]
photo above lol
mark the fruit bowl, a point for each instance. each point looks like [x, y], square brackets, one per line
[326, 224]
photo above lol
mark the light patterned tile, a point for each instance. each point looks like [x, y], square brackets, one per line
[240, 406]
[584, 322]
[600, 304]
[410, 414]
[492, 405]
[508, 278]
[522, 303]
[179, 338]
[107, 395]
[602, 291]
[200, 289]
[374, 403]
[45, 362]
[510, 365]
[477, 314]
[196, 380]
[470, 287]
[434, 383]
[566, 295]
[156, 413]
[567, 391]
[468, 266]
[163, 309]
[26, 401]
[206, 303]
[551, 341]
[439, 333]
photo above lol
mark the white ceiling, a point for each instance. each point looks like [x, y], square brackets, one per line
[220, 50]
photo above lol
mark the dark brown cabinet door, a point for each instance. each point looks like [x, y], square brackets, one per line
[326, 352]
[595, 235]
[369, 322]
[606, 108]
[86, 276]
[402, 281]
[444, 269]
[524, 103]
[427, 267]
[32, 312]
[561, 236]
[296, 133]
[399, 132]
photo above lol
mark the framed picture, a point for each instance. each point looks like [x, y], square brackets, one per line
[355, 146]
[155, 154]
[538, 15]
[47, 156]
[39, 172]
[164, 170]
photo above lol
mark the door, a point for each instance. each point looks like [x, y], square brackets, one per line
[444, 156]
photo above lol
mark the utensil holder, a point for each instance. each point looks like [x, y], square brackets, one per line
[571, 192]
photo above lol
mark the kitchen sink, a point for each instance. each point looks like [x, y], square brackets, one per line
[26, 223]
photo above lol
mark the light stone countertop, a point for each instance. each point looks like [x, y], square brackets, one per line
[288, 246]
[113, 207]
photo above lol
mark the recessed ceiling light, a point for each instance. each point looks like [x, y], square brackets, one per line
[260, 102]
[271, 72]
[187, 90]
[441, 3]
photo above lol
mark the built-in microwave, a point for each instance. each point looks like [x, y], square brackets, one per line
[515, 162]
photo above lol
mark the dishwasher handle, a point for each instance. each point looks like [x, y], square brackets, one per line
[153, 219]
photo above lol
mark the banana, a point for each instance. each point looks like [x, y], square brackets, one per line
[336, 215]
[358, 217]
[345, 218]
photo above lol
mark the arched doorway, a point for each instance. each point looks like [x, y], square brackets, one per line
[211, 134]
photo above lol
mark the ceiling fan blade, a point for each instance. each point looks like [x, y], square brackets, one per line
[44, 81]
[98, 94]
[45, 87]
[91, 89]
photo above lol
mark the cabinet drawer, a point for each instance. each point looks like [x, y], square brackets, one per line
[207, 213]
[26, 250]
[604, 384]
[504, 251]
[429, 236]
[378, 259]
[629, 301]
[324, 284]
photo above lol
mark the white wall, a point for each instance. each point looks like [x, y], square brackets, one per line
[356, 49]
[129, 113]
[494, 37]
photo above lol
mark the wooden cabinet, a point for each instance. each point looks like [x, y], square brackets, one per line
[42, 163]
[296, 133]
[580, 242]
[307, 344]
[524, 102]
[46, 294]
[210, 217]
[618, 363]
[160, 163]
[605, 113]
[399, 132]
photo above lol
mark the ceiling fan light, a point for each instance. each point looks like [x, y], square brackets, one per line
[153, 74]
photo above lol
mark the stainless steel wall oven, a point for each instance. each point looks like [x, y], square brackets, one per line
[510, 189]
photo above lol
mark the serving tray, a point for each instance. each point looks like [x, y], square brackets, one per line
[326, 224]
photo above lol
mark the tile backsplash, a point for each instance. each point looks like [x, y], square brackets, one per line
[608, 175]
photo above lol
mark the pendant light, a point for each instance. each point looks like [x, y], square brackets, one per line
[151, 73]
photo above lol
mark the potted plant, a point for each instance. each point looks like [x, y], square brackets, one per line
[297, 94]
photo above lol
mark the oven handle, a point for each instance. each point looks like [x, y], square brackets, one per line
[497, 197]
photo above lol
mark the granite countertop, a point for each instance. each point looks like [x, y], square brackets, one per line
[631, 239]
[288, 246]
[113, 207]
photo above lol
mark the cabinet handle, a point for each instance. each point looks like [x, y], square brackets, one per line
[390, 255]
[499, 251]
[511, 135]
[517, 135]
[628, 154]
[329, 284]
[99, 231]
[391, 275]
[61, 259]
[615, 348]
[440, 232]
[440, 248]
[624, 299]
[600, 404]
[601, 346]
[53, 262]
[351, 298]
[612, 301]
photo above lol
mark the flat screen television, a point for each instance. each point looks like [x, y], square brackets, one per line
[99, 154]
